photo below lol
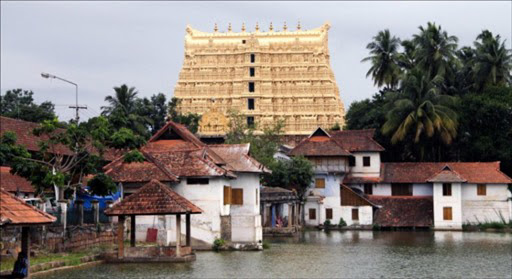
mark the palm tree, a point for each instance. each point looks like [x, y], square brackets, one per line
[383, 55]
[124, 100]
[421, 112]
[434, 50]
[493, 61]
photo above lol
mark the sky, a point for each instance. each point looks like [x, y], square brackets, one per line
[99, 45]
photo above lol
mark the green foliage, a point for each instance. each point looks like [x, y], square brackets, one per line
[125, 138]
[190, 120]
[133, 156]
[19, 104]
[342, 223]
[296, 174]
[327, 224]
[218, 243]
[336, 127]
[102, 185]
[266, 244]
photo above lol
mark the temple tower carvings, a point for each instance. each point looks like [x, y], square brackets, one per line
[264, 75]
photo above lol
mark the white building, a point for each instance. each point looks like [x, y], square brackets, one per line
[442, 195]
[222, 180]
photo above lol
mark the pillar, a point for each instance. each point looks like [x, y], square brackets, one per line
[63, 204]
[187, 228]
[273, 215]
[120, 237]
[109, 205]
[132, 231]
[80, 207]
[290, 215]
[96, 210]
[25, 245]
[178, 235]
[265, 214]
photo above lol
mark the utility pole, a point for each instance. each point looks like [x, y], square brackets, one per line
[76, 106]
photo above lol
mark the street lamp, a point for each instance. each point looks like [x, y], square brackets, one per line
[47, 75]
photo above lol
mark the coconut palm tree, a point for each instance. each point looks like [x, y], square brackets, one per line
[434, 50]
[124, 100]
[493, 61]
[383, 55]
[421, 112]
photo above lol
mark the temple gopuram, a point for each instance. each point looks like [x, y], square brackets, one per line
[265, 76]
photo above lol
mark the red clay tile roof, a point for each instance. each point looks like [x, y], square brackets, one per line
[273, 194]
[14, 211]
[237, 158]
[154, 198]
[320, 143]
[410, 211]
[446, 175]
[357, 140]
[360, 179]
[12, 183]
[474, 172]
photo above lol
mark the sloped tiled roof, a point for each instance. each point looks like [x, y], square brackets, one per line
[12, 183]
[398, 211]
[320, 143]
[357, 140]
[361, 179]
[14, 211]
[154, 198]
[274, 194]
[446, 175]
[236, 157]
[472, 172]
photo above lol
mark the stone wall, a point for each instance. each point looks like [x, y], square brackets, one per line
[82, 237]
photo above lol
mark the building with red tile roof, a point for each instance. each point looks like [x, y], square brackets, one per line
[15, 212]
[15, 184]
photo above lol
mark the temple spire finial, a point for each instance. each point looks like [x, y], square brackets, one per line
[257, 28]
[271, 28]
[285, 27]
[229, 27]
[243, 26]
[298, 25]
[215, 28]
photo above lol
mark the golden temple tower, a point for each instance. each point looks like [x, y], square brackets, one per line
[264, 75]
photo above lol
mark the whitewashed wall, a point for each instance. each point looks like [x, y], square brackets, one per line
[453, 201]
[424, 189]
[485, 208]
[365, 215]
[373, 170]
[246, 219]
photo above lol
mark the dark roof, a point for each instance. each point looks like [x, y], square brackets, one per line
[472, 172]
[320, 143]
[277, 194]
[357, 140]
[13, 183]
[14, 211]
[410, 211]
[154, 198]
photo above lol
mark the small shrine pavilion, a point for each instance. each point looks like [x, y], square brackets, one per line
[15, 212]
[154, 198]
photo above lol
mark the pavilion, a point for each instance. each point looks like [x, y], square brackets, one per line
[15, 212]
[154, 198]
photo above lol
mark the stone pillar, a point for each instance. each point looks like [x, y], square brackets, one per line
[80, 206]
[290, 215]
[273, 208]
[132, 231]
[187, 229]
[63, 204]
[109, 205]
[25, 245]
[265, 214]
[120, 237]
[178, 235]
[96, 209]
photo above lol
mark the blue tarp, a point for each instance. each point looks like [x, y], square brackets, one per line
[87, 198]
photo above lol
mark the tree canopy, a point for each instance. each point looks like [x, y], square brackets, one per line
[19, 104]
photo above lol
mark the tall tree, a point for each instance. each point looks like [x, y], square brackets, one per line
[435, 50]
[153, 109]
[190, 120]
[383, 56]
[493, 61]
[19, 104]
[420, 111]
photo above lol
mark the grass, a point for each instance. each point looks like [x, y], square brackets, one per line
[70, 258]
[489, 225]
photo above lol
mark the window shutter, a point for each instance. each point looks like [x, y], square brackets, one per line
[227, 195]
[237, 196]
[481, 189]
[355, 214]
[312, 214]
[328, 213]
[447, 213]
[320, 183]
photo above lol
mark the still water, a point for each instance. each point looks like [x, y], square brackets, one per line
[349, 254]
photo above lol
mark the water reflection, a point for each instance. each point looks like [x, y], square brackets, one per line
[354, 254]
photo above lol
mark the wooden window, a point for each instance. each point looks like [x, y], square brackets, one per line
[355, 214]
[328, 213]
[253, 58]
[401, 189]
[250, 121]
[366, 161]
[447, 189]
[237, 196]
[250, 104]
[312, 214]
[251, 86]
[481, 189]
[447, 213]
[243, 41]
[368, 188]
[252, 71]
[351, 161]
[227, 195]
[320, 183]
[194, 180]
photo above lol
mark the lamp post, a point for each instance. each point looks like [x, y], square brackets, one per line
[46, 75]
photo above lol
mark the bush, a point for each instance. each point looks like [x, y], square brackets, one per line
[327, 223]
[342, 223]
[266, 244]
[218, 243]
[133, 156]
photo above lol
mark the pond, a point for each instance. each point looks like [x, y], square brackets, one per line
[353, 254]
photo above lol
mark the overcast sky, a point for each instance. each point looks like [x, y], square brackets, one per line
[100, 45]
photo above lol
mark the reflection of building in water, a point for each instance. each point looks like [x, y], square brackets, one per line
[265, 75]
